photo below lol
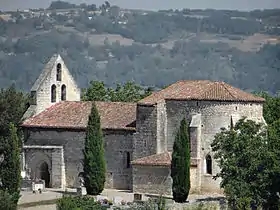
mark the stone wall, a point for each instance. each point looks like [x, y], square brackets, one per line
[118, 153]
[152, 180]
[145, 138]
[35, 156]
[117, 145]
[161, 127]
[214, 115]
[43, 94]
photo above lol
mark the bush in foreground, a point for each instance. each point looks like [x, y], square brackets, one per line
[78, 203]
[7, 201]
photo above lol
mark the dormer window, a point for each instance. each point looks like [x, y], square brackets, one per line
[63, 93]
[33, 98]
[53, 93]
[58, 72]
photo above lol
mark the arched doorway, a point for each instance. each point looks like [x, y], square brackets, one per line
[45, 174]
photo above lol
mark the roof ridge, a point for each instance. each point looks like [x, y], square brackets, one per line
[223, 84]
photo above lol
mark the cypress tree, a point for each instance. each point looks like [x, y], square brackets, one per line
[94, 162]
[180, 164]
[10, 171]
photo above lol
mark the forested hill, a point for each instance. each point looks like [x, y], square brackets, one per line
[151, 48]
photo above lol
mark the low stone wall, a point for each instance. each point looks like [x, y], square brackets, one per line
[152, 180]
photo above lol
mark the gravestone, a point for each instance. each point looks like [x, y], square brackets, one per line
[81, 190]
[117, 200]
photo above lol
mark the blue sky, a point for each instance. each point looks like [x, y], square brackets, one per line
[153, 4]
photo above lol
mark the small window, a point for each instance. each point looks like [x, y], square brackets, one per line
[128, 160]
[63, 93]
[53, 93]
[208, 164]
[236, 108]
[33, 98]
[58, 72]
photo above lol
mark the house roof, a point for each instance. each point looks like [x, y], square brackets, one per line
[162, 159]
[200, 90]
[74, 115]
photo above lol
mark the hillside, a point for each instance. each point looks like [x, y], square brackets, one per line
[152, 48]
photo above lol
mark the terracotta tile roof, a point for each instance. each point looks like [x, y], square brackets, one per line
[163, 159]
[200, 90]
[69, 114]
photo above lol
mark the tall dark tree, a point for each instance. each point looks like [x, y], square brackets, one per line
[180, 165]
[13, 104]
[94, 162]
[10, 167]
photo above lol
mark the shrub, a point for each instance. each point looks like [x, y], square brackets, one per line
[202, 206]
[7, 201]
[78, 203]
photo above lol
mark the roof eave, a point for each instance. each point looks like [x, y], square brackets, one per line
[74, 128]
[150, 164]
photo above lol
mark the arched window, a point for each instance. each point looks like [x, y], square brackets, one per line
[58, 72]
[208, 164]
[63, 93]
[53, 93]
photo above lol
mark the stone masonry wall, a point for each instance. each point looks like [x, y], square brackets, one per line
[43, 94]
[152, 180]
[145, 138]
[117, 144]
[214, 115]
[161, 127]
[53, 156]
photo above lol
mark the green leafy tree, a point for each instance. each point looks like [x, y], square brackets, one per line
[10, 167]
[271, 108]
[94, 162]
[129, 92]
[13, 104]
[96, 92]
[274, 145]
[180, 165]
[248, 165]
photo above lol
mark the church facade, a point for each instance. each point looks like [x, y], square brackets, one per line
[138, 137]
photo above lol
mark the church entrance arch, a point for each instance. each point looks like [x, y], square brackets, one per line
[45, 173]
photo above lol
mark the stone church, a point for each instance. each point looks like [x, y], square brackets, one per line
[138, 137]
